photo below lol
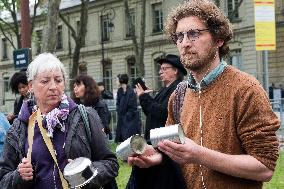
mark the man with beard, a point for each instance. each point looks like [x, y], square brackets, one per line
[226, 116]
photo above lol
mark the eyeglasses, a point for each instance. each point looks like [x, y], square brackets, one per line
[165, 68]
[192, 35]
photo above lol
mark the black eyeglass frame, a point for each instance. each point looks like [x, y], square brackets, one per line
[195, 34]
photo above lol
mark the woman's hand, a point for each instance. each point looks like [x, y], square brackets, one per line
[25, 170]
[149, 158]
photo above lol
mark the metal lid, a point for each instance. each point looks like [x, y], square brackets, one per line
[77, 166]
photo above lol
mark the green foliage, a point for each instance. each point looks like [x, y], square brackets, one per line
[123, 174]
[124, 170]
[277, 181]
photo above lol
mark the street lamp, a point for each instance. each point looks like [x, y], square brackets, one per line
[107, 15]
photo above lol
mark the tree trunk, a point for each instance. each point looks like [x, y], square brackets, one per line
[141, 65]
[138, 47]
[78, 38]
[50, 33]
[25, 24]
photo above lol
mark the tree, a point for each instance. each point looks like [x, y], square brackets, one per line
[79, 37]
[50, 33]
[9, 26]
[138, 44]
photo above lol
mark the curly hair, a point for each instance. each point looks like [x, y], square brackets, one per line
[16, 79]
[217, 23]
[92, 92]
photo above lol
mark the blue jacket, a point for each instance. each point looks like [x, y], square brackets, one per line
[4, 126]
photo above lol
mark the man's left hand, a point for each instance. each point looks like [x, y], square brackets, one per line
[180, 153]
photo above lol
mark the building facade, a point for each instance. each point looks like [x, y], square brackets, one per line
[109, 51]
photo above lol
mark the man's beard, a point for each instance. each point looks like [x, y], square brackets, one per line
[199, 63]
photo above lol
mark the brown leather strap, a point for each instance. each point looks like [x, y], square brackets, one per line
[31, 135]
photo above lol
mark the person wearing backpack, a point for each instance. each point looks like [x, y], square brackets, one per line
[49, 132]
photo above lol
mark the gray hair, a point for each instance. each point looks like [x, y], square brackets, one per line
[45, 62]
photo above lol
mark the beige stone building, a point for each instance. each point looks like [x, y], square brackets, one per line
[108, 39]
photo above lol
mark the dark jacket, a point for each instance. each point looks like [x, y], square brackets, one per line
[106, 94]
[167, 175]
[76, 145]
[104, 114]
[156, 109]
[129, 122]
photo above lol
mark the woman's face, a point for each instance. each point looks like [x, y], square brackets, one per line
[23, 89]
[79, 90]
[48, 88]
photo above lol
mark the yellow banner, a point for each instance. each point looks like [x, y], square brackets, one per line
[265, 33]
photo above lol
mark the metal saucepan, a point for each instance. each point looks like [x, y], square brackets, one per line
[79, 172]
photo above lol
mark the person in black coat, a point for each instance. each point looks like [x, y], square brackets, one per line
[128, 120]
[168, 175]
[105, 93]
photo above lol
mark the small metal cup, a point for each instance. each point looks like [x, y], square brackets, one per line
[79, 172]
[134, 145]
[173, 133]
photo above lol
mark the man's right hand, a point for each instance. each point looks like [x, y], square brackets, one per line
[148, 159]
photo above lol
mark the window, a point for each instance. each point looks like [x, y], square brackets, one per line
[105, 28]
[235, 58]
[129, 20]
[78, 32]
[6, 84]
[107, 74]
[132, 68]
[59, 43]
[4, 49]
[232, 6]
[157, 17]
[38, 41]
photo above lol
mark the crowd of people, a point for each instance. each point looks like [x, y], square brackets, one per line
[229, 126]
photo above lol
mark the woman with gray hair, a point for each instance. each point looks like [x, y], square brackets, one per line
[27, 159]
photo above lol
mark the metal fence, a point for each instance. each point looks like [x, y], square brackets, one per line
[277, 106]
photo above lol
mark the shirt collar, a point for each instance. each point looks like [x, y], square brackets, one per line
[211, 76]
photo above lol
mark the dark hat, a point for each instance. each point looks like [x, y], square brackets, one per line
[174, 60]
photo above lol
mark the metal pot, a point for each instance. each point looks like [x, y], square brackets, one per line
[79, 172]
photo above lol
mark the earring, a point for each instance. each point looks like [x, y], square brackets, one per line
[30, 94]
